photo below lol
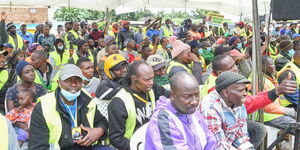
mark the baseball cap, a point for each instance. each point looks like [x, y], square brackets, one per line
[228, 78]
[70, 70]
[5, 53]
[156, 61]
[296, 35]
[7, 45]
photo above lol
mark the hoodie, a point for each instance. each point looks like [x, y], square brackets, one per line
[166, 132]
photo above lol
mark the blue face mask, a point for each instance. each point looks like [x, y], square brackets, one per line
[245, 42]
[86, 79]
[209, 49]
[60, 47]
[239, 46]
[70, 96]
[291, 52]
[200, 51]
[169, 46]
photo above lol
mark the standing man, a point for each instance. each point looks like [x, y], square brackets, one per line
[8, 34]
[25, 34]
[72, 37]
[124, 34]
[96, 34]
[139, 36]
[66, 118]
[176, 122]
[167, 29]
[47, 38]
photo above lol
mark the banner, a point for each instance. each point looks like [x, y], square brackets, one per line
[215, 19]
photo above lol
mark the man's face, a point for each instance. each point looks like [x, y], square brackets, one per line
[131, 44]
[186, 99]
[76, 26]
[36, 61]
[68, 26]
[101, 42]
[46, 30]
[144, 79]
[236, 94]
[126, 26]
[185, 55]
[228, 65]
[270, 67]
[297, 57]
[95, 26]
[23, 28]
[87, 69]
[2, 61]
[166, 41]
[161, 71]
[293, 27]
[72, 84]
[84, 48]
[91, 42]
[120, 72]
[28, 73]
[147, 52]
[12, 30]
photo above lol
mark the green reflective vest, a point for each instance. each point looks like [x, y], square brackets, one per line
[75, 57]
[12, 42]
[57, 59]
[131, 110]
[273, 51]
[177, 64]
[208, 84]
[68, 44]
[53, 120]
[3, 78]
[39, 80]
[167, 32]
[4, 133]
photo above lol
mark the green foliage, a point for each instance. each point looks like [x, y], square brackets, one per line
[75, 14]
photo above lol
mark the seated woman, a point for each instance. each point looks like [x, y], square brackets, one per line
[26, 72]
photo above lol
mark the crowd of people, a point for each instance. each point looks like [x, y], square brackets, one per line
[84, 88]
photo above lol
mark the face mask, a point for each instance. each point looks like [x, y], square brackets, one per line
[60, 47]
[86, 79]
[208, 49]
[169, 46]
[200, 51]
[291, 52]
[239, 46]
[69, 96]
[245, 42]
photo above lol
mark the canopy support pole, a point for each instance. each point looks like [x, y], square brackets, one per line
[107, 13]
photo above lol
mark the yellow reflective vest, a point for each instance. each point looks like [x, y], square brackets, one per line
[3, 78]
[68, 44]
[75, 57]
[177, 64]
[12, 42]
[167, 32]
[131, 110]
[57, 59]
[4, 133]
[53, 120]
[208, 84]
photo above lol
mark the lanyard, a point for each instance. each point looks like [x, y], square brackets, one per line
[141, 99]
[74, 118]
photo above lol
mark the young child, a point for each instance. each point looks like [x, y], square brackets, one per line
[21, 116]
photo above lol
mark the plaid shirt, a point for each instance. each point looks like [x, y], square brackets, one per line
[228, 125]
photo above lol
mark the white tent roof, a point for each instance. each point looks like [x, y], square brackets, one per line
[233, 7]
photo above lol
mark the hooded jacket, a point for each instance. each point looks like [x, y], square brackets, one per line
[166, 132]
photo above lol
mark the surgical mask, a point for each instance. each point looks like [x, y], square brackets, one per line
[291, 52]
[86, 79]
[60, 47]
[208, 49]
[69, 96]
[169, 46]
[245, 42]
[239, 46]
[200, 51]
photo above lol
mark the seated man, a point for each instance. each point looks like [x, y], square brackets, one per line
[61, 114]
[133, 105]
[158, 64]
[225, 113]
[176, 122]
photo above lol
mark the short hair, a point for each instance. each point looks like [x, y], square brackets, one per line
[162, 40]
[134, 67]
[41, 54]
[28, 91]
[296, 44]
[82, 60]
[144, 47]
[217, 62]
[264, 59]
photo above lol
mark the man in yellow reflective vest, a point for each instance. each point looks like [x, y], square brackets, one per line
[8, 34]
[66, 118]
[60, 56]
[8, 135]
[167, 29]
[83, 51]
[72, 37]
[4, 79]
[184, 60]
[133, 105]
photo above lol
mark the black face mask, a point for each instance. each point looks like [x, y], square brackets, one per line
[95, 30]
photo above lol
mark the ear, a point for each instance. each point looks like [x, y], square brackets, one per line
[225, 92]
[172, 94]
[133, 78]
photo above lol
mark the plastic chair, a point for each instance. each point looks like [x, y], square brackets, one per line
[137, 141]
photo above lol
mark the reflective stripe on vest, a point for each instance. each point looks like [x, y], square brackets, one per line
[4, 78]
[209, 83]
[53, 120]
[68, 42]
[177, 64]
[4, 133]
[167, 32]
[57, 59]
[12, 42]
[91, 57]
[131, 110]
[273, 52]
[164, 52]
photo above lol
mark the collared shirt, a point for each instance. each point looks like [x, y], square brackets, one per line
[229, 125]
[43, 40]
[28, 37]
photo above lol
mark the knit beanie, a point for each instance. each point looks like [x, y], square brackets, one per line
[284, 45]
[228, 78]
[179, 47]
[108, 39]
[80, 43]
[20, 66]
[232, 40]
[9, 25]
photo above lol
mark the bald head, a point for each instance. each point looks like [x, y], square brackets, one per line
[183, 81]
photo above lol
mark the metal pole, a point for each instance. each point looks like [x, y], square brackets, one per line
[107, 13]
[256, 58]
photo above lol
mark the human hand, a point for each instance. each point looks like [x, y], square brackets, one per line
[287, 86]
[3, 16]
[93, 134]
